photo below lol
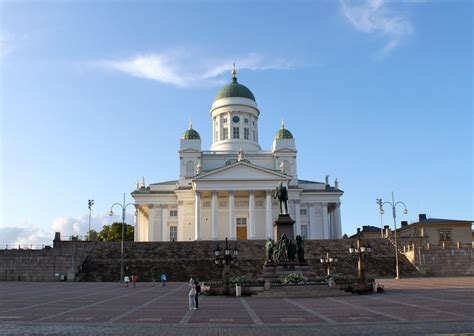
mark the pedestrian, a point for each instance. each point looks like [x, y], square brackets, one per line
[197, 286]
[163, 279]
[126, 280]
[134, 280]
[191, 294]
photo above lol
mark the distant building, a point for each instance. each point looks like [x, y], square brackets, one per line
[436, 230]
[368, 232]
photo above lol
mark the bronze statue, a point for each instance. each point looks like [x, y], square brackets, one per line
[282, 194]
[291, 250]
[300, 248]
[269, 250]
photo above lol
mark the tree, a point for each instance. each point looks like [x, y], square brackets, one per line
[93, 235]
[113, 233]
[345, 236]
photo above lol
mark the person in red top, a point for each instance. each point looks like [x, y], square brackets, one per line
[134, 280]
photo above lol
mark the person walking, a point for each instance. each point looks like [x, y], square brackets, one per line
[163, 279]
[126, 280]
[134, 280]
[191, 294]
[197, 286]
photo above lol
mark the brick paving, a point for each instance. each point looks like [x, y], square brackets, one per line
[417, 306]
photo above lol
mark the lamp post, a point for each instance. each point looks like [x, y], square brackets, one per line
[379, 202]
[328, 261]
[229, 257]
[111, 213]
[360, 250]
[393, 204]
[90, 203]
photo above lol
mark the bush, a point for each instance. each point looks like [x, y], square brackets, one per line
[293, 278]
[240, 279]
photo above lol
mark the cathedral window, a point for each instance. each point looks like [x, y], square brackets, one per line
[173, 213]
[246, 133]
[173, 233]
[246, 120]
[303, 212]
[225, 134]
[224, 120]
[304, 231]
[254, 135]
[235, 133]
[241, 221]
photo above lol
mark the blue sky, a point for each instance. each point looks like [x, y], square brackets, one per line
[95, 95]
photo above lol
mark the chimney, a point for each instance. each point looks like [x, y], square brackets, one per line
[57, 237]
[421, 217]
[358, 230]
[404, 224]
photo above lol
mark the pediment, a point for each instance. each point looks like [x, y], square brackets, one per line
[242, 171]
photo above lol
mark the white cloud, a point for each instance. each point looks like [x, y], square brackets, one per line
[183, 68]
[32, 235]
[375, 17]
[25, 237]
[69, 226]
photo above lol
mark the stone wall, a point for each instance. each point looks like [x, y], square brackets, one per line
[99, 261]
[438, 261]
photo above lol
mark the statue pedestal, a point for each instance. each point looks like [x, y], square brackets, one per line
[284, 225]
[273, 271]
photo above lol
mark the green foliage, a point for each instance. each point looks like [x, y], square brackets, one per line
[240, 279]
[94, 235]
[293, 278]
[113, 233]
[345, 236]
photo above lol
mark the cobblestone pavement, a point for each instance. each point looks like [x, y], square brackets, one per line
[418, 306]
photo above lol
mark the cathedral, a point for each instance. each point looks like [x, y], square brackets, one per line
[227, 191]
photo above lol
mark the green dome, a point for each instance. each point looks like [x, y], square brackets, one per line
[234, 89]
[283, 133]
[190, 134]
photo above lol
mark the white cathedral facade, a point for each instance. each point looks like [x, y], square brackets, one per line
[227, 191]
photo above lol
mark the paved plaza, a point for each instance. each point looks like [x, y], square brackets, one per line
[420, 306]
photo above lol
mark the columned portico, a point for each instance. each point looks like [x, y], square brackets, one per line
[164, 223]
[197, 216]
[251, 224]
[297, 218]
[232, 227]
[268, 214]
[214, 235]
[337, 221]
[325, 220]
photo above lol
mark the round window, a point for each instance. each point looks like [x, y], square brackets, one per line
[235, 119]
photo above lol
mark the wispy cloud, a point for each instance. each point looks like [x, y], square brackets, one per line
[31, 234]
[375, 17]
[183, 69]
[6, 44]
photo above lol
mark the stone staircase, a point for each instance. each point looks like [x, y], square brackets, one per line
[302, 291]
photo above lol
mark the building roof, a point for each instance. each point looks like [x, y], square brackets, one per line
[440, 221]
[234, 89]
[173, 182]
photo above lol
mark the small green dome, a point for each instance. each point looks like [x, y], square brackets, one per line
[283, 133]
[191, 133]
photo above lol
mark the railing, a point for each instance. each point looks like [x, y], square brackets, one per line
[24, 247]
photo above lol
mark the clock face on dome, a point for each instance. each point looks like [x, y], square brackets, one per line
[235, 119]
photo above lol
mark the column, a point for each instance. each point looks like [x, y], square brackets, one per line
[151, 222]
[135, 232]
[251, 234]
[312, 234]
[214, 216]
[268, 214]
[325, 220]
[164, 223]
[232, 229]
[197, 215]
[297, 218]
[337, 223]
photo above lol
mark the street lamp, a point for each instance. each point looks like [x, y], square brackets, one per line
[360, 250]
[111, 213]
[328, 261]
[393, 204]
[90, 203]
[379, 202]
[229, 257]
